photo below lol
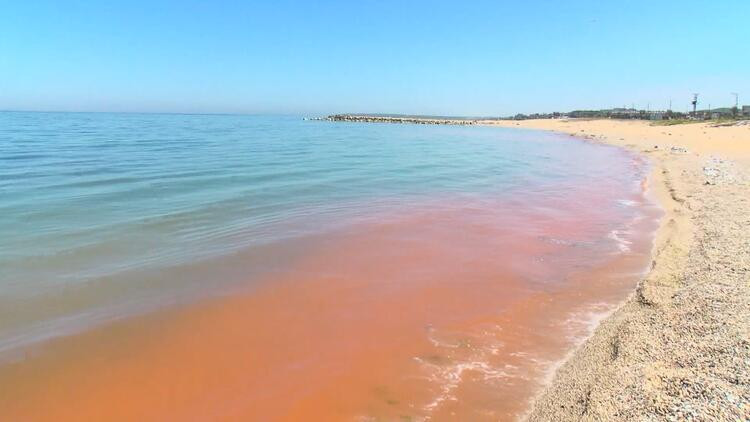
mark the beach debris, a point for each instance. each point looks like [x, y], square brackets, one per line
[734, 123]
[719, 171]
[678, 150]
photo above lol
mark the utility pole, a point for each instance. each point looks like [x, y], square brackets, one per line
[669, 110]
[694, 103]
[736, 104]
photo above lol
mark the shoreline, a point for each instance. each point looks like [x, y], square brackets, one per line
[658, 355]
[678, 347]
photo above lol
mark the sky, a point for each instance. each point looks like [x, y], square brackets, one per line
[480, 58]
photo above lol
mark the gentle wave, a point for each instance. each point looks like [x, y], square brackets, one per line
[85, 198]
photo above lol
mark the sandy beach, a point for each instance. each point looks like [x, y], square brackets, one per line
[679, 348]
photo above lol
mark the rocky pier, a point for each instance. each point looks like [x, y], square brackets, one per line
[399, 119]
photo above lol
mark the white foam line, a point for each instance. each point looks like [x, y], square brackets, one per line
[590, 318]
[618, 236]
[627, 202]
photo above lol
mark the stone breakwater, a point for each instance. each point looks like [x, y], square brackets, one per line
[397, 119]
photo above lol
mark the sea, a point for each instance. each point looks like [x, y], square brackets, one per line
[262, 267]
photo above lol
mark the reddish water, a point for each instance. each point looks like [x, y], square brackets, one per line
[456, 309]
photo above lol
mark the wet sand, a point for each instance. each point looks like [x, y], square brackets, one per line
[678, 348]
[434, 313]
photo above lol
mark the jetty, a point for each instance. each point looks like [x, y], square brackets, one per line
[400, 119]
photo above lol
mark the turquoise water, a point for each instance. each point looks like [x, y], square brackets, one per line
[104, 213]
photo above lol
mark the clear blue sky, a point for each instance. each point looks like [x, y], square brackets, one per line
[457, 58]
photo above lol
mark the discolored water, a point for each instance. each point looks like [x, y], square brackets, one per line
[372, 270]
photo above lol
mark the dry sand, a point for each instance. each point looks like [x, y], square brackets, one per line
[679, 348]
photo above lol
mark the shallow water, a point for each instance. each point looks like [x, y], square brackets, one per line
[349, 270]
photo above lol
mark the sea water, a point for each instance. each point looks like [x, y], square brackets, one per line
[445, 249]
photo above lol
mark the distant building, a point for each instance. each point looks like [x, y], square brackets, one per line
[716, 113]
[624, 113]
[746, 110]
[656, 115]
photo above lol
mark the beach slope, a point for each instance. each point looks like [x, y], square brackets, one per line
[679, 348]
